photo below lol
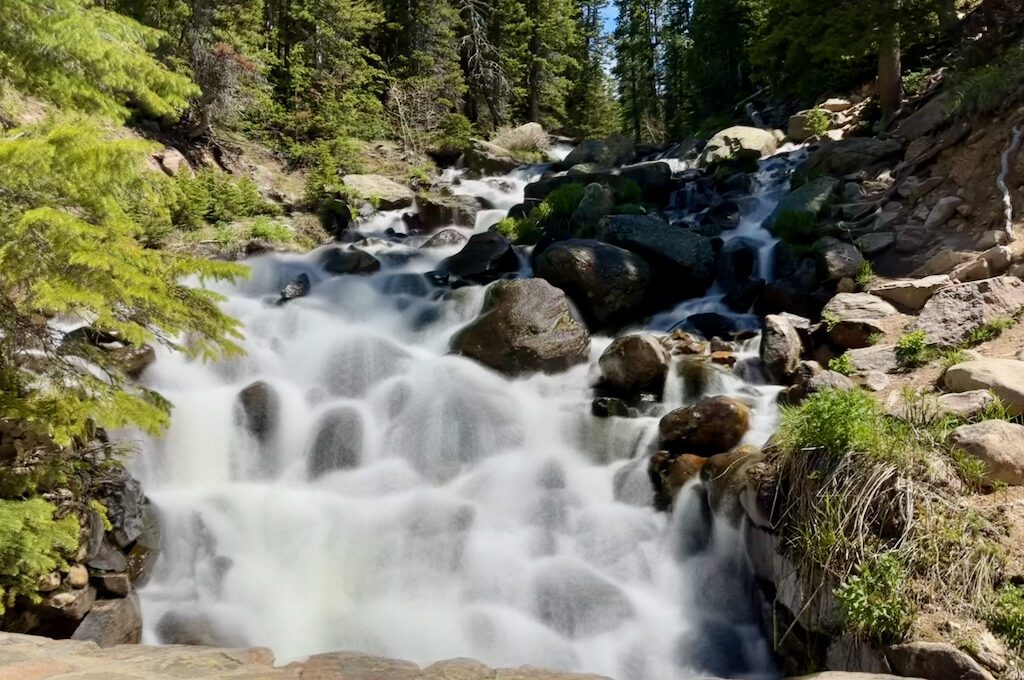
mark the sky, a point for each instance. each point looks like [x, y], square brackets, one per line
[609, 13]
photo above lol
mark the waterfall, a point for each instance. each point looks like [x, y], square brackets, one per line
[397, 500]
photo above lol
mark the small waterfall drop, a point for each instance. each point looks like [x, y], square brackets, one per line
[347, 485]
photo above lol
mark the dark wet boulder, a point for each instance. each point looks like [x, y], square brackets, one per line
[338, 443]
[608, 284]
[712, 425]
[713, 324]
[335, 218]
[338, 261]
[299, 287]
[669, 472]
[260, 410]
[611, 151]
[684, 258]
[485, 258]
[634, 364]
[526, 326]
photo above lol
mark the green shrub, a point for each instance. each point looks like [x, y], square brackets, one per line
[564, 200]
[269, 230]
[865, 275]
[817, 122]
[1006, 618]
[836, 422]
[914, 81]
[988, 87]
[831, 320]
[523, 232]
[326, 161]
[990, 330]
[629, 209]
[526, 139]
[455, 134]
[796, 227]
[875, 338]
[954, 357]
[630, 192]
[211, 197]
[842, 364]
[972, 470]
[32, 544]
[874, 601]
[912, 350]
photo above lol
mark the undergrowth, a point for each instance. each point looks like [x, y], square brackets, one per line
[865, 506]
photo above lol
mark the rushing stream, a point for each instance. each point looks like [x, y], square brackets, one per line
[417, 505]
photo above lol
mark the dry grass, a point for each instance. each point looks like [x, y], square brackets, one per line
[530, 138]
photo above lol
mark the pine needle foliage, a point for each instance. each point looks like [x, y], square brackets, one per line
[86, 58]
[32, 544]
[69, 247]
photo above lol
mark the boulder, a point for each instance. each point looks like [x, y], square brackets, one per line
[446, 238]
[873, 244]
[683, 257]
[437, 210]
[850, 155]
[1004, 377]
[780, 348]
[941, 213]
[338, 261]
[526, 326]
[857, 306]
[712, 425]
[953, 312]
[654, 179]
[133, 360]
[837, 259]
[597, 202]
[112, 584]
[634, 364]
[926, 119]
[935, 661]
[854, 333]
[484, 258]
[607, 283]
[112, 622]
[835, 104]
[384, 193]
[911, 294]
[737, 262]
[998, 444]
[485, 158]
[611, 151]
[740, 146]
[880, 358]
[809, 201]
[260, 409]
[965, 404]
[577, 601]
[669, 473]
[299, 287]
[335, 218]
[799, 128]
[810, 378]
[339, 442]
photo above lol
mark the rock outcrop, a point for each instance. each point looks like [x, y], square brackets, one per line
[525, 326]
[952, 313]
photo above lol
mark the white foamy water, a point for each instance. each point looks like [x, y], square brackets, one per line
[416, 505]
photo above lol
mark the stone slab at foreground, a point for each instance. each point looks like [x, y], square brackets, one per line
[26, 657]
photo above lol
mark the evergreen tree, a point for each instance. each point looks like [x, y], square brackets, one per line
[591, 108]
[679, 92]
[638, 67]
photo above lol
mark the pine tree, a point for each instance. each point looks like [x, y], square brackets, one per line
[591, 109]
[638, 67]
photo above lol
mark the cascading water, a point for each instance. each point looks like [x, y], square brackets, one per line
[396, 500]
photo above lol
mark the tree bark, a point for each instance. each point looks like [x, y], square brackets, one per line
[890, 84]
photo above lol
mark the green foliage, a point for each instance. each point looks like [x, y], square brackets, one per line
[455, 134]
[564, 200]
[86, 58]
[69, 245]
[525, 231]
[269, 230]
[101, 510]
[842, 364]
[836, 422]
[953, 357]
[630, 192]
[32, 544]
[211, 197]
[326, 162]
[913, 350]
[972, 470]
[796, 227]
[990, 330]
[1006, 616]
[874, 600]
[914, 81]
[830, 319]
[988, 87]
[818, 122]
[865, 275]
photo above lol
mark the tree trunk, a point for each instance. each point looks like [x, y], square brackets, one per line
[890, 84]
[533, 75]
[948, 18]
